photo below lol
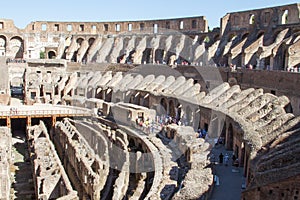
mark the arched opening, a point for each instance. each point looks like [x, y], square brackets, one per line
[51, 55]
[170, 58]
[91, 42]
[172, 111]
[17, 47]
[245, 36]
[288, 108]
[89, 93]
[260, 34]
[121, 59]
[159, 55]
[206, 39]
[2, 45]
[129, 59]
[108, 95]
[231, 37]
[99, 93]
[178, 112]
[163, 106]
[284, 17]
[229, 138]
[252, 19]
[216, 37]
[146, 58]
[67, 44]
[146, 102]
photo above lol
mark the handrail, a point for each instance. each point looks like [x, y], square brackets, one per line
[16, 112]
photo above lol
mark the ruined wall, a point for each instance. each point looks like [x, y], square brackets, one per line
[50, 178]
[5, 161]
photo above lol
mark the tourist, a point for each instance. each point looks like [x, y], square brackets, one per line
[226, 159]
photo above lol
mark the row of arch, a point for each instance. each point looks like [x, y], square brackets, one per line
[13, 46]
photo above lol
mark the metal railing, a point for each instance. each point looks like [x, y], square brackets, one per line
[68, 111]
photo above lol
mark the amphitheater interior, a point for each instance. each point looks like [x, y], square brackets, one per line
[113, 110]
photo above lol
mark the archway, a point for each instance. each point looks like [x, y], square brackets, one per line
[89, 93]
[108, 95]
[288, 108]
[90, 42]
[284, 17]
[159, 54]
[99, 93]
[2, 45]
[17, 47]
[252, 19]
[260, 34]
[51, 55]
[178, 112]
[146, 58]
[163, 106]
[146, 101]
[245, 36]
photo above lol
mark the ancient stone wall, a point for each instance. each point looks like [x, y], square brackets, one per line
[5, 161]
[263, 38]
[50, 178]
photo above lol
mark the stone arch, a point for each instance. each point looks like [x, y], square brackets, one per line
[216, 37]
[89, 92]
[130, 57]
[121, 58]
[284, 17]
[159, 56]
[178, 111]
[90, 42]
[229, 137]
[3, 42]
[108, 95]
[131, 99]
[99, 93]
[147, 54]
[16, 81]
[51, 54]
[245, 35]
[288, 108]
[146, 101]
[260, 34]
[68, 41]
[231, 37]
[207, 39]
[16, 46]
[252, 19]
[163, 106]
